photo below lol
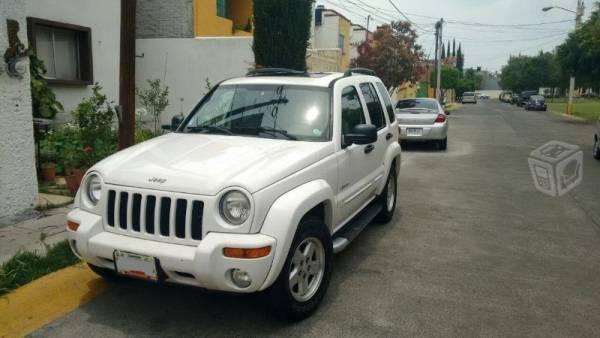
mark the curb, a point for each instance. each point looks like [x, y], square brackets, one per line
[36, 304]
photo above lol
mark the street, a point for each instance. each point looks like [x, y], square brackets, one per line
[474, 250]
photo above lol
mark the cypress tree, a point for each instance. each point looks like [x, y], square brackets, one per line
[453, 47]
[281, 33]
[443, 52]
[460, 60]
[448, 51]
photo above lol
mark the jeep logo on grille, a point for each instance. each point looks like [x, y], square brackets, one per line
[157, 180]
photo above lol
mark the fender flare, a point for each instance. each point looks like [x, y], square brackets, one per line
[284, 216]
[393, 152]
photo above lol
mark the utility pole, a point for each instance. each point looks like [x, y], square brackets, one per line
[367, 32]
[437, 35]
[578, 16]
[127, 75]
[439, 29]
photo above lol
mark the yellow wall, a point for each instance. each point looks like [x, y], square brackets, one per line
[345, 28]
[207, 23]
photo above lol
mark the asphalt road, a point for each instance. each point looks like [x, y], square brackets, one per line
[473, 250]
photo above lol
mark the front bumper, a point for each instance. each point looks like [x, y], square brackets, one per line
[431, 132]
[202, 265]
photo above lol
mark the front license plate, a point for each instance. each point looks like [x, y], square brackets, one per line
[136, 266]
[414, 131]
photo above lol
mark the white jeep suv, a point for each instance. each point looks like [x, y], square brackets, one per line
[267, 177]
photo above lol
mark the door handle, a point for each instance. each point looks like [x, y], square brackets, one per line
[369, 148]
[389, 136]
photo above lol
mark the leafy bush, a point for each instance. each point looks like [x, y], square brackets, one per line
[94, 116]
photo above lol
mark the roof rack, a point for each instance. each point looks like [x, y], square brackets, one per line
[276, 72]
[364, 71]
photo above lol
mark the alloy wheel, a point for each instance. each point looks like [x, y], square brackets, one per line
[307, 269]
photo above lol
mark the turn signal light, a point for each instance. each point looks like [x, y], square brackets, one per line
[440, 118]
[72, 225]
[246, 253]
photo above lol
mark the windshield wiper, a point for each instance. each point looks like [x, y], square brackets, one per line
[212, 129]
[276, 131]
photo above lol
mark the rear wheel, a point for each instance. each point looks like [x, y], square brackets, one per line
[443, 144]
[597, 148]
[388, 197]
[304, 278]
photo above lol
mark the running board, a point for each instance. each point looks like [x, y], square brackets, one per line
[351, 230]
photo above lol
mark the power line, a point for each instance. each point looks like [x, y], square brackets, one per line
[407, 18]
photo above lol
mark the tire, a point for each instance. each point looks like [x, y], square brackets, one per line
[597, 148]
[288, 301]
[443, 144]
[388, 206]
[106, 274]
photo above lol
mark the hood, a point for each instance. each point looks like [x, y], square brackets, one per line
[205, 164]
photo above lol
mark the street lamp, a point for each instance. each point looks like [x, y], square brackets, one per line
[578, 15]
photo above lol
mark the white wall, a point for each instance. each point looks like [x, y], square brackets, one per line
[327, 34]
[184, 64]
[18, 182]
[103, 17]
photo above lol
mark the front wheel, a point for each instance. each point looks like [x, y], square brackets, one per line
[304, 278]
[387, 199]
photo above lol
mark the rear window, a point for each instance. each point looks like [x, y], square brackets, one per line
[417, 103]
[388, 102]
[373, 105]
[537, 97]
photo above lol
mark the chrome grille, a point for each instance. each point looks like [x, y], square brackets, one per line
[161, 215]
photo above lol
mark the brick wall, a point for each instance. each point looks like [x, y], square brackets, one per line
[164, 19]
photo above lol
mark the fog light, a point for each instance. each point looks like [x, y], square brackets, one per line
[240, 278]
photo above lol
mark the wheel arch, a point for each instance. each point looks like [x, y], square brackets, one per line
[393, 154]
[286, 213]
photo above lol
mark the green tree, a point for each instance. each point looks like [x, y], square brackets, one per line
[394, 54]
[460, 60]
[580, 53]
[531, 72]
[43, 101]
[155, 99]
[450, 77]
[281, 33]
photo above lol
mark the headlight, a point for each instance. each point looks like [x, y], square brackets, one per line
[93, 188]
[235, 207]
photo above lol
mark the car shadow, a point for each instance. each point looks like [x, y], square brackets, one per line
[421, 146]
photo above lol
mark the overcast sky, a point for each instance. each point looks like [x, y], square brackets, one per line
[479, 25]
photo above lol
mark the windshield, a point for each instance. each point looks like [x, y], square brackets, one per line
[468, 94]
[417, 104]
[269, 111]
[537, 97]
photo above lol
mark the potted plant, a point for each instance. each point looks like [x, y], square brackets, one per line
[48, 167]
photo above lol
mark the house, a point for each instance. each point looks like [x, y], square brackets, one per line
[333, 31]
[79, 42]
[360, 34]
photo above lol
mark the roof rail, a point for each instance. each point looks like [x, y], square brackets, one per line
[364, 71]
[276, 72]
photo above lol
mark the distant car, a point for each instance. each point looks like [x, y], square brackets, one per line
[524, 97]
[484, 96]
[469, 97]
[597, 141]
[536, 102]
[422, 119]
[506, 97]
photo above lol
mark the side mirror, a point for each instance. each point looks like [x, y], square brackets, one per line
[362, 134]
[175, 122]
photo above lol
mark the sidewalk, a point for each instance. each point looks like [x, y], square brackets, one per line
[34, 234]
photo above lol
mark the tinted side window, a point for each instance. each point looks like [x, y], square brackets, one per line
[352, 112]
[373, 105]
[388, 102]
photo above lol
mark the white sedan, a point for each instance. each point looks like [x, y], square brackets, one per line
[422, 119]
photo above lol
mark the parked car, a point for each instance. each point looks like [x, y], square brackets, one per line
[515, 99]
[506, 97]
[469, 97]
[267, 178]
[524, 97]
[422, 119]
[484, 96]
[536, 102]
[597, 141]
